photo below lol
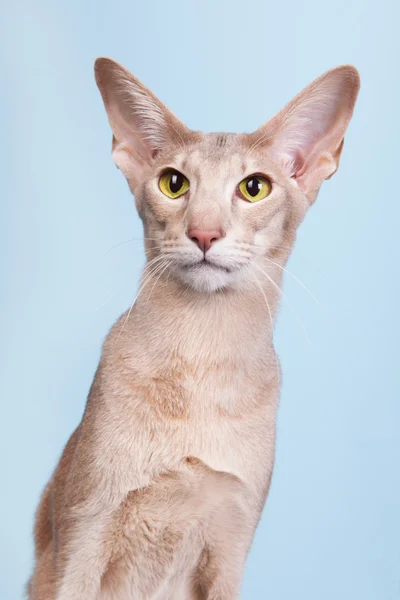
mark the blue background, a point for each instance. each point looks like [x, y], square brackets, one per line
[331, 527]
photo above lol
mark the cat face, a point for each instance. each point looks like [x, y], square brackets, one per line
[216, 206]
[213, 233]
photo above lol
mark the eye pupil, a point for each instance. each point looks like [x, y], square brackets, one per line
[175, 182]
[253, 186]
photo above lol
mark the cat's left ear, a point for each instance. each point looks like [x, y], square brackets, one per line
[307, 136]
[142, 126]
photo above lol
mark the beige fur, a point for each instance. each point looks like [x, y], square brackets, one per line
[160, 488]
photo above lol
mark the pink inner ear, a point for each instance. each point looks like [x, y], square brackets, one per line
[298, 164]
[294, 161]
[307, 134]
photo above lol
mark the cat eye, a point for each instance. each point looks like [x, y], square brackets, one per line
[255, 188]
[173, 184]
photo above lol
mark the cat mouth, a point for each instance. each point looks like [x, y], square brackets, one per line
[204, 264]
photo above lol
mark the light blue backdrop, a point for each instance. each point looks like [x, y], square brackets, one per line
[331, 527]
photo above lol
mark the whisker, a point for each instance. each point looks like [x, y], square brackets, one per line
[263, 293]
[127, 242]
[113, 293]
[269, 312]
[182, 143]
[282, 293]
[303, 285]
[145, 281]
[105, 301]
[281, 246]
[263, 138]
[151, 263]
[169, 262]
[169, 273]
[257, 143]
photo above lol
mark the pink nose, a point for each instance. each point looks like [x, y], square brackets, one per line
[204, 239]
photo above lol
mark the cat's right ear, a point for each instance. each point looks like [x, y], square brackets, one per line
[142, 126]
[307, 136]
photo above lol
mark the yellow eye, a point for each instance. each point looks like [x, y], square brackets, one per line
[255, 188]
[173, 184]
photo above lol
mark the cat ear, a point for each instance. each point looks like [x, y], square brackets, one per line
[142, 126]
[307, 135]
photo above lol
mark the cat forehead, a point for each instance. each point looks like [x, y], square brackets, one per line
[216, 153]
[220, 145]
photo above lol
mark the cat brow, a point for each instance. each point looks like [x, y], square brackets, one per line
[221, 141]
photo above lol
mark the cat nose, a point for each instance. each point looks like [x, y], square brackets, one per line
[204, 238]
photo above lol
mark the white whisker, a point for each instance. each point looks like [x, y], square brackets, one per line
[295, 278]
[182, 144]
[162, 271]
[260, 140]
[131, 240]
[269, 311]
[145, 281]
[105, 301]
[284, 247]
[282, 293]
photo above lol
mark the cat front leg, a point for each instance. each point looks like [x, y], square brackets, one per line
[109, 462]
[220, 577]
[87, 557]
[222, 563]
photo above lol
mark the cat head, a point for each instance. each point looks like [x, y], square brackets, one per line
[214, 204]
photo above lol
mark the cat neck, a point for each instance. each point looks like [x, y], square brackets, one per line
[169, 318]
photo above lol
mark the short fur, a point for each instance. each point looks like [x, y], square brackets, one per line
[159, 490]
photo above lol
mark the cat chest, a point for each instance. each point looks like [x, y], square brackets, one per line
[221, 391]
[226, 430]
[241, 446]
[223, 417]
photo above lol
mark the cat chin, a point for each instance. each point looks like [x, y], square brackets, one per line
[206, 278]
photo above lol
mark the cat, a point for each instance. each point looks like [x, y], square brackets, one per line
[159, 490]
